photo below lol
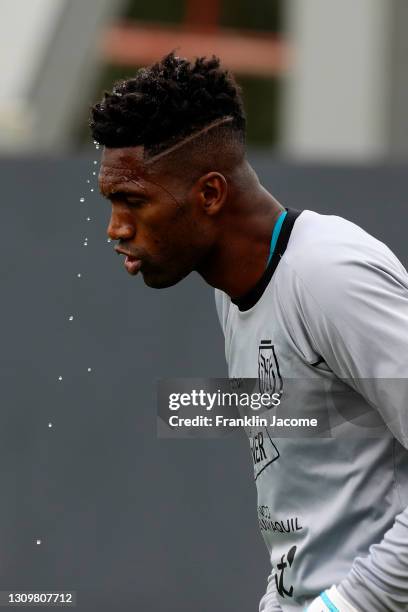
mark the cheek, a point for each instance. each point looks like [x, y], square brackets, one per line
[156, 238]
[169, 229]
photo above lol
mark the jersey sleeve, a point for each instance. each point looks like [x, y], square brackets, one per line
[380, 581]
[354, 312]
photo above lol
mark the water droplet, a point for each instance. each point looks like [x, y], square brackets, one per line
[82, 199]
[38, 542]
[92, 189]
[95, 142]
[93, 173]
[89, 369]
[95, 162]
[49, 424]
[59, 377]
[71, 318]
[109, 240]
[79, 275]
[88, 218]
[85, 244]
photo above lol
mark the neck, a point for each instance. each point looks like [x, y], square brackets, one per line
[238, 259]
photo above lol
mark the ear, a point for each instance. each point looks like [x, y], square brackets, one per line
[211, 191]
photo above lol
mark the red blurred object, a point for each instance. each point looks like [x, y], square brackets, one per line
[136, 44]
[202, 15]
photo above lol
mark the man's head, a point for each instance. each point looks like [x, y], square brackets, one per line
[173, 139]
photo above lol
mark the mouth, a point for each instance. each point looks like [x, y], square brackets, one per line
[132, 264]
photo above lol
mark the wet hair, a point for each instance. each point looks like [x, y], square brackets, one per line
[167, 102]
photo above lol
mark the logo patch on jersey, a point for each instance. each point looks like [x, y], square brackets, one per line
[285, 562]
[269, 377]
[264, 451]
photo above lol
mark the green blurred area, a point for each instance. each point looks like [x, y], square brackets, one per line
[260, 94]
[163, 11]
[263, 15]
[259, 15]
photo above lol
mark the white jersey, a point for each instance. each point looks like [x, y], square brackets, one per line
[332, 306]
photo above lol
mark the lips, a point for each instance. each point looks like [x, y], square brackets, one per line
[132, 264]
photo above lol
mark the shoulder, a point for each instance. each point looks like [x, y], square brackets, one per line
[333, 259]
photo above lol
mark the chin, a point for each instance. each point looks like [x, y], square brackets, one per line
[160, 281]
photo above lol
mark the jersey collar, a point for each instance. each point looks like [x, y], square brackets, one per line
[247, 301]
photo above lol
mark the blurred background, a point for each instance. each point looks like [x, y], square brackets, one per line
[92, 500]
[322, 79]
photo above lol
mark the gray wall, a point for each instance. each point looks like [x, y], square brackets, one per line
[127, 520]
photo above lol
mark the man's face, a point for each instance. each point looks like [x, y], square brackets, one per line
[153, 218]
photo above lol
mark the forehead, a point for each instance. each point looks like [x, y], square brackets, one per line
[122, 165]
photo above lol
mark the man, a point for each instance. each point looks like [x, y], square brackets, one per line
[299, 295]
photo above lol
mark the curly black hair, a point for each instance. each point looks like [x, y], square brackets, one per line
[166, 102]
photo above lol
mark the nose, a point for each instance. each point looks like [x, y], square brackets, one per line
[120, 227]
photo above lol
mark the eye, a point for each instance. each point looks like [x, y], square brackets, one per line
[135, 202]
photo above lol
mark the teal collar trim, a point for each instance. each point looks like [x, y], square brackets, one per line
[330, 605]
[275, 234]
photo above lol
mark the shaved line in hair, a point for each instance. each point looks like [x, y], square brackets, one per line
[188, 139]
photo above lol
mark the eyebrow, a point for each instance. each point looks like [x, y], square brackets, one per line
[123, 194]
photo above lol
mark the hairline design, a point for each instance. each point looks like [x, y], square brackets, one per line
[188, 139]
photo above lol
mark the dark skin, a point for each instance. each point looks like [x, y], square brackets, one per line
[219, 225]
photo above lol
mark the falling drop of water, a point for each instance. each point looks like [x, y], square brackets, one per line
[71, 318]
[82, 199]
[59, 377]
[49, 424]
[85, 244]
[89, 369]
[95, 162]
[79, 275]
[92, 189]
[88, 181]
[93, 173]
[38, 542]
[109, 240]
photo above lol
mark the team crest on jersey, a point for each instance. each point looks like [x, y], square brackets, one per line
[264, 450]
[269, 377]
